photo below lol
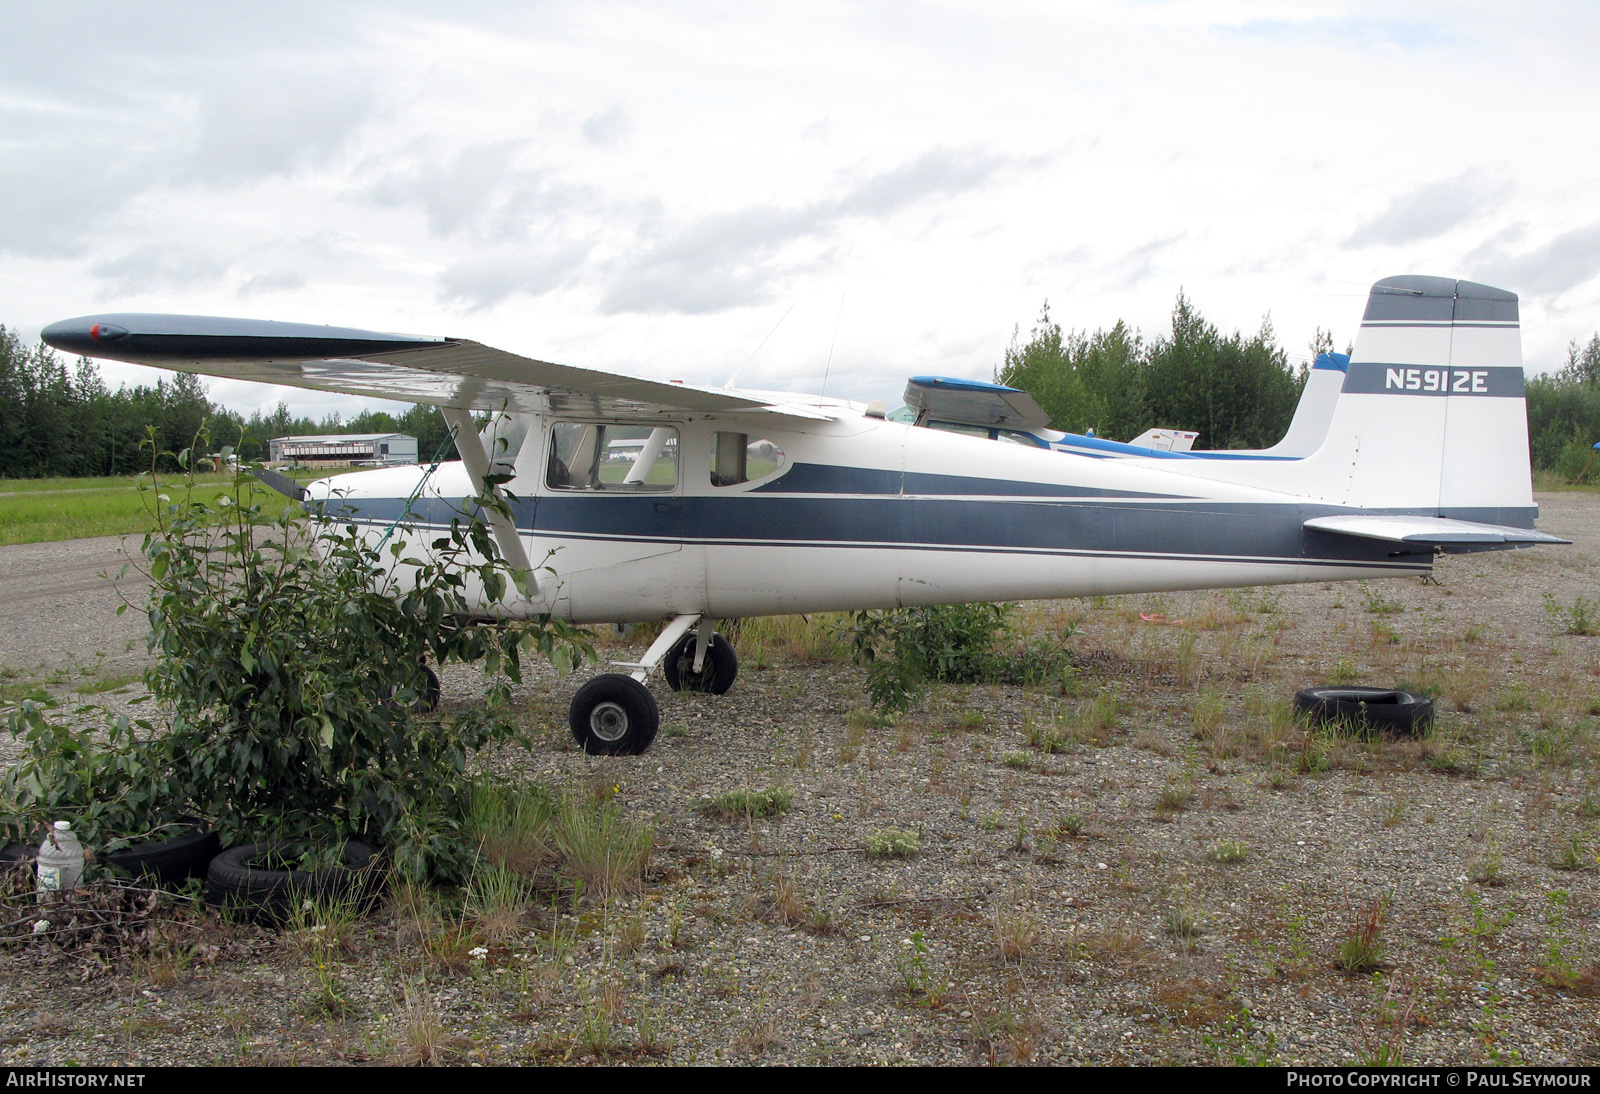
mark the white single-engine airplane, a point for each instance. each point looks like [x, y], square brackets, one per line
[666, 501]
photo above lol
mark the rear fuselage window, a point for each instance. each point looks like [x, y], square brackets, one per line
[736, 458]
[612, 458]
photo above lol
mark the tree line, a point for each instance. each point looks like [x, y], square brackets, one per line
[1564, 413]
[61, 419]
[1236, 392]
[1240, 392]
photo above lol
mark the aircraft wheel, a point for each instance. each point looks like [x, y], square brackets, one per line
[716, 672]
[614, 715]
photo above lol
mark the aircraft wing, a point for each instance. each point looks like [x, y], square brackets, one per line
[448, 372]
[1441, 532]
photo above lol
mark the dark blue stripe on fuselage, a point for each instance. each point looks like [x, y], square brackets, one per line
[1177, 529]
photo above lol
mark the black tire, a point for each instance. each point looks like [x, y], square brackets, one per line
[247, 880]
[432, 693]
[1383, 709]
[428, 701]
[168, 861]
[716, 673]
[614, 715]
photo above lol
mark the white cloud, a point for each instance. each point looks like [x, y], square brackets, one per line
[648, 187]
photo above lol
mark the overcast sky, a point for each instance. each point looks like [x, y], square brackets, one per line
[688, 190]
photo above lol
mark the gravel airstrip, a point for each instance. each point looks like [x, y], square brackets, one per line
[1154, 864]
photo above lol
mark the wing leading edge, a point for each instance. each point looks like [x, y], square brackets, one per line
[449, 372]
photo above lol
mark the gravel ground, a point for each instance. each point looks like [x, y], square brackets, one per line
[1174, 885]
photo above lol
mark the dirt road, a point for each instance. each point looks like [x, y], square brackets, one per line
[58, 604]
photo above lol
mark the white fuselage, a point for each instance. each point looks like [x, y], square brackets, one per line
[866, 513]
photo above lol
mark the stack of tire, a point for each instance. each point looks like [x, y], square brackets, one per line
[253, 880]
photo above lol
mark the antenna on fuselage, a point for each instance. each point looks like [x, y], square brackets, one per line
[752, 356]
[831, 342]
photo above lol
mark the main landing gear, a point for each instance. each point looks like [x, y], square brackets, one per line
[615, 714]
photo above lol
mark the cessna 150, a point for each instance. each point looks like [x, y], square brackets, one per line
[666, 501]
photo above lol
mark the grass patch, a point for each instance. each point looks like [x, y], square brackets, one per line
[1361, 949]
[747, 804]
[110, 683]
[579, 842]
[47, 510]
[1230, 851]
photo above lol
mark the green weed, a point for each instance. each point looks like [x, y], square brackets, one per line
[747, 804]
[893, 843]
[1582, 617]
[1361, 949]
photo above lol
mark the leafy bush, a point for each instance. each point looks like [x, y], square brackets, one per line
[905, 648]
[289, 653]
[113, 790]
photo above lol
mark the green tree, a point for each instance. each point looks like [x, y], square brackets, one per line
[1235, 392]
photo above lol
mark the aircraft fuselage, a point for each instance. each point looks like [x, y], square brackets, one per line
[915, 517]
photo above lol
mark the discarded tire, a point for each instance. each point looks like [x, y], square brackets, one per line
[1383, 709]
[169, 861]
[251, 881]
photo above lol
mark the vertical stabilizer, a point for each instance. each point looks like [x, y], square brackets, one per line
[1432, 411]
[1309, 427]
[1431, 417]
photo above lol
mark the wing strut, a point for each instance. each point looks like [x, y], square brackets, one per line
[477, 459]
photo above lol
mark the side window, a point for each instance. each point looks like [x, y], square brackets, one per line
[967, 430]
[737, 458]
[615, 458]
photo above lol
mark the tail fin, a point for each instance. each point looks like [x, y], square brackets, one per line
[1431, 418]
[1432, 415]
[1309, 427]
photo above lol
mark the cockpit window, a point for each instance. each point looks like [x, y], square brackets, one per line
[968, 430]
[613, 458]
[1017, 436]
[737, 457]
[993, 433]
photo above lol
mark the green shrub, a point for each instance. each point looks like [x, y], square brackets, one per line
[289, 651]
[906, 648]
[112, 789]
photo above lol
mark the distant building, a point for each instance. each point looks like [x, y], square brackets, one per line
[344, 450]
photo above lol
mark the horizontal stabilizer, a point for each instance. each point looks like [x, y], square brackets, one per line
[1461, 535]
